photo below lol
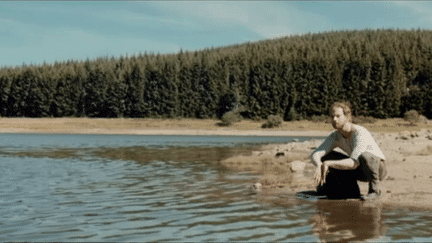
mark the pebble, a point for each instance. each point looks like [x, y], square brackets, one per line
[257, 186]
[256, 153]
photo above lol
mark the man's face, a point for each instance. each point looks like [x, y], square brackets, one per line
[338, 118]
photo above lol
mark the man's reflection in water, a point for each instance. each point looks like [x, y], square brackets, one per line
[341, 220]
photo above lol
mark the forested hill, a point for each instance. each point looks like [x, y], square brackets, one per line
[383, 73]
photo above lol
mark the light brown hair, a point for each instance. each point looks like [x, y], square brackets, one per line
[346, 108]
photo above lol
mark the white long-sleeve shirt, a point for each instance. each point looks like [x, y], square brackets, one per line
[361, 140]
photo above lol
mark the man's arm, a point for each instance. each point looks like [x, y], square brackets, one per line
[343, 164]
[322, 168]
[323, 149]
[320, 172]
[317, 156]
[327, 146]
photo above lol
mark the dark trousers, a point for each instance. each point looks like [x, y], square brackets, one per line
[343, 183]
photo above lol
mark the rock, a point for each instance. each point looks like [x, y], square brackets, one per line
[278, 154]
[256, 153]
[297, 166]
[257, 186]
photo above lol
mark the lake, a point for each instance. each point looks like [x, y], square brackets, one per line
[169, 188]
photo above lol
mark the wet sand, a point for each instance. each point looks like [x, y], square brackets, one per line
[407, 147]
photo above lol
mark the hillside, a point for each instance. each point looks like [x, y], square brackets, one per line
[383, 73]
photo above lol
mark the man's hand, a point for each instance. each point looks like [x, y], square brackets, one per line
[321, 174]
[324, 172]
[317, 175]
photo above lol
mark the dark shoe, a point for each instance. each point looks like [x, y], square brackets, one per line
[371, 196]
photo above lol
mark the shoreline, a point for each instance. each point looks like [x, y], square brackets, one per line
[151, 126]
[407, 147]
[408, 183]
[129, 126]
[173, 132]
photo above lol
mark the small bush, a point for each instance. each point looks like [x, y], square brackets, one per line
[412, 116]
[364, 119]
[229, 118]
[273, 121]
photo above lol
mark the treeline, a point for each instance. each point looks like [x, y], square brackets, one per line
[383, 73]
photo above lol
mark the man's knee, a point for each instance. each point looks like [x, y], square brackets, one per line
[369, 160]
[371, 165]
[382, 171]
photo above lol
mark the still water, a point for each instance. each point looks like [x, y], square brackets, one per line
[88, 194]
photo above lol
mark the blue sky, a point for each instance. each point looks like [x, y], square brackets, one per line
[34, 32]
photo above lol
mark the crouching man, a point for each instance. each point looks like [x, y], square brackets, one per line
[336, 173]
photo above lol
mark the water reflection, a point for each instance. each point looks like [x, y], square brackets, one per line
[130, 192]
[346, 221]
[83, 141]
[333, 220]
[207, 155]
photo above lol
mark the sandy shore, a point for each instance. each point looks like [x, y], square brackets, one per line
[407, 147]
[409, 164]
[186, 127]
[149, 127]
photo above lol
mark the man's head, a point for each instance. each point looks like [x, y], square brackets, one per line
[341, 114]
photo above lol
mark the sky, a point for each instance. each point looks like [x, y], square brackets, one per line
[34, 32]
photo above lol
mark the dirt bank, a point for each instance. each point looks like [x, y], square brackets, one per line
[185, 127]
[409, 163]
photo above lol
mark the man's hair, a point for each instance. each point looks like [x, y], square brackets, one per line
[346, 108]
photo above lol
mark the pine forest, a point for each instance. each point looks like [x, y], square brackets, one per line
[382, 73]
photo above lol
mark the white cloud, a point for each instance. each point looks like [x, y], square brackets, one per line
[264, 18]
[14, 32]
[127, 17]
[421, 10]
